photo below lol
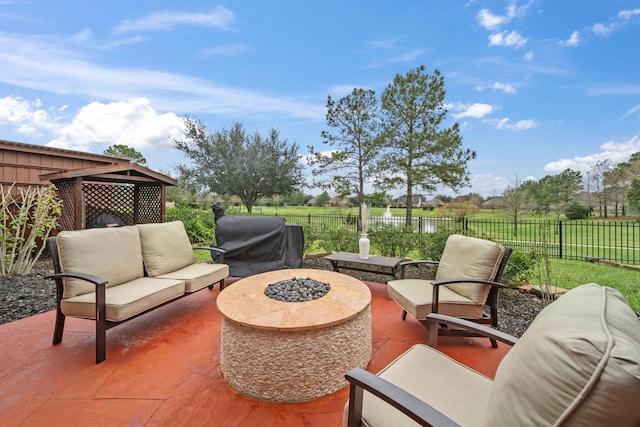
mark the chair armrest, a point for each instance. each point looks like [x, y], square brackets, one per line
[462, 280]
[434, 319]
[83, 276]
[415, 263]
[405, 402]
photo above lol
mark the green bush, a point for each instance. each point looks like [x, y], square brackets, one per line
[311, 236]
[521, 267]
[393, 241]
[199, 223]
[339, 240]
[576, 211]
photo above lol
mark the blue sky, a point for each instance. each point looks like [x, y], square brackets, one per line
[537, 86]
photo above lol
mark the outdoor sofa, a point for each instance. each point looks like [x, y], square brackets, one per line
[112, 275]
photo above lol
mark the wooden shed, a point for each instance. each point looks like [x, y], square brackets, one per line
[88, 184]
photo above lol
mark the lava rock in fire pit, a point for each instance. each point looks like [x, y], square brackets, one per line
[297, 290]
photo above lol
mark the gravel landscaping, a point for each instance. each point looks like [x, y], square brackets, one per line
[24, 296]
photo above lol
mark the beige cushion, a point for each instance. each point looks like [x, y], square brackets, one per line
[415, 296]
[197, 276]
[470, 257]
[165, 247]
[110, 253]
[450, 387]
[577, 364]
[125, 300]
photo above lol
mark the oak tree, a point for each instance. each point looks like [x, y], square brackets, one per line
[236, 163]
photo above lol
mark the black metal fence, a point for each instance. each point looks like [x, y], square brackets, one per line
[617, 241]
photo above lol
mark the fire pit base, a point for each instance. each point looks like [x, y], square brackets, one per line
[293, 351]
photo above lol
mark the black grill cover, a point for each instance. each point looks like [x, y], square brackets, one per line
[256, 244]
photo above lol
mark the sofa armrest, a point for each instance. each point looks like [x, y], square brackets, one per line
[83, 276]
[220, 251]
[419, 411]
[434, 319]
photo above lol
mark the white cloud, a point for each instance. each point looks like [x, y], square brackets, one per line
[616, 152]
[507, 39]
[631, 112]
[164, 21]
[476, 110]
[491, 22]
[43, 63]
[628, 14]
[602, 30]
[519, 125]
[228, 50]
[573, 40]
[26, 116]
[134, 123]
[528, 56]
[503, 87]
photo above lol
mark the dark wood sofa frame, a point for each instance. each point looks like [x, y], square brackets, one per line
[102, 324]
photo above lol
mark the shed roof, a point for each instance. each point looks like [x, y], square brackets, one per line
[121, 173]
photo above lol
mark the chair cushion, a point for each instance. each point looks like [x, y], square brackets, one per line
[450, 387]
[125, 300]
[465, 256]
[165, 247]
[197, 276]
[110, 253]
[416, 295]
[577, 364]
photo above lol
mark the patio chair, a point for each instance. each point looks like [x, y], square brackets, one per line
[467, 278]
[578, 364]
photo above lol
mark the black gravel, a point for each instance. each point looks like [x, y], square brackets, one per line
[297, 289]
[24, 296]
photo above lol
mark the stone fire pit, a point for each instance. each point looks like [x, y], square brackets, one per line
[293, 351]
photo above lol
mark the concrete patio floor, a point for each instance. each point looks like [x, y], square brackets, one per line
[162, 369]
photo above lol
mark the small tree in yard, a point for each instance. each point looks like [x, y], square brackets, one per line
[26, 220]
[235, 163]
[349, 165]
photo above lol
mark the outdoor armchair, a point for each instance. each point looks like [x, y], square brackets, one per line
[578, 364]
[467, 278]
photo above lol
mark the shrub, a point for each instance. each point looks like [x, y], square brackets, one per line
[339, 240]
[26, 222]
[393, 241]
[199, 224]
[576, 211]
[311, 236]
[521, 267]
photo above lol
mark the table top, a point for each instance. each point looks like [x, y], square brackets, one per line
[244, 302]
[378, 260]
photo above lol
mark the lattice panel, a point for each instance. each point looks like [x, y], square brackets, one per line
[149, 204]
[114, 199]
[65, 193]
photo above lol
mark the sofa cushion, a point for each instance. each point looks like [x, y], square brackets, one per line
[199, 275]
[125, 300]
[165, 247]
[456, 390]
[416, 295]
[110, 253]
[471, 257]
[580, 361]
